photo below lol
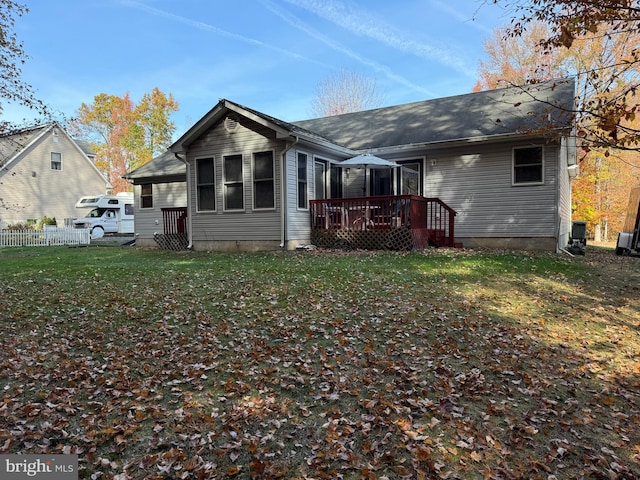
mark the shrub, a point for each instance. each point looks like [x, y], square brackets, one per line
[20, 226]
[46, 221]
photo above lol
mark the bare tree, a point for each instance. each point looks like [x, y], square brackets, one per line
[345, 91]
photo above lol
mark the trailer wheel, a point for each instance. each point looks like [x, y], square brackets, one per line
[97, 232]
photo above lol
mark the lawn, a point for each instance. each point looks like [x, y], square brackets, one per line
[312, 365]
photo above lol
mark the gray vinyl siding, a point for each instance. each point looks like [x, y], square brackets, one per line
[30, 189]
[165, 195]
[246, 225]
[354, 182]
[477, 183]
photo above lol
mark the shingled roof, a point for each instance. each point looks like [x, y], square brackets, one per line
[164, 165]
[508, 111]
[537, 108]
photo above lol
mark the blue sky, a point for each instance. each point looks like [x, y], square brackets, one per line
[269, 55]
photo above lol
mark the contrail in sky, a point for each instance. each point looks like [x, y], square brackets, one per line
[299, 24]
[362, 23]
[214, 30]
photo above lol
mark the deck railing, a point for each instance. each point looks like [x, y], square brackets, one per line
[174, 220]
[429, 218]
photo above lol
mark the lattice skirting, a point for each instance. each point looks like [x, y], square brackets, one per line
[171, 241]
[389, 239]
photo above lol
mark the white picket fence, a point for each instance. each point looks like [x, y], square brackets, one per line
[50, 236]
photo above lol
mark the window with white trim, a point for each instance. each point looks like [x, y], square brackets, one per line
[233, 185]
[56, 161]
[302, 181]
[263, 180]
[205, 184]
[528, 166]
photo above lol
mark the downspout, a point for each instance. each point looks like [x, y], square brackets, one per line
[189, 209]
[283, 193]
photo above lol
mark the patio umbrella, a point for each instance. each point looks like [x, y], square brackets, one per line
[368, 162]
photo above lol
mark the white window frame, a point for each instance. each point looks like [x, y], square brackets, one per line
[215, 190]
[57, 162]
[264, 180]
[399, 181]
[225, 183]
[326, 165]
[514, 183]
[305, 180]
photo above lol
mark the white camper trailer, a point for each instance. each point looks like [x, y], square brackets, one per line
[106, 214]
[629, 237]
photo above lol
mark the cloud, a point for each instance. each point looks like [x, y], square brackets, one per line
[301, 25]
[212, 29]
[363, 23]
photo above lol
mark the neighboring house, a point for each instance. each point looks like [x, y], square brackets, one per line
[502, 159]
[44, 172]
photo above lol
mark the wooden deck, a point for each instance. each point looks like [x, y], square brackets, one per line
[401, 222]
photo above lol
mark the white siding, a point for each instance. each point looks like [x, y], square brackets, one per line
[30, 189]
[299, 220]
[567, 157]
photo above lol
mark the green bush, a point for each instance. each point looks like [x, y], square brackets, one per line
[46, 221]
[21, 226]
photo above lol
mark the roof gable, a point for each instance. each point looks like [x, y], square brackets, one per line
[13, 144]
[225, 108]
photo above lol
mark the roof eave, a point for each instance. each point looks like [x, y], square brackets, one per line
[456, 142]
[325, 144]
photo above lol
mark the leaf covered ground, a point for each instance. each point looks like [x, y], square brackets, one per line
[312, 365]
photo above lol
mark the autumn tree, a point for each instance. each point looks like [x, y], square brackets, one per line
[345, 91]
[124, 135]
[13, 89]
[602, 190]
[519, 60]
[609, 114]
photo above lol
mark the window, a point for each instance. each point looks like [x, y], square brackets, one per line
[380, 181]
[335, 174]
[205, 184]
[302, 180]
[320, 176]
[263, 180]
[410, 178]
[233, 186]
[527, 166]
[56, 161]
[146, 195]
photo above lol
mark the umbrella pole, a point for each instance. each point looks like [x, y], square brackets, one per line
[364, 187]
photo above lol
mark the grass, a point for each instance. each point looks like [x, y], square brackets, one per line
[435, 364]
